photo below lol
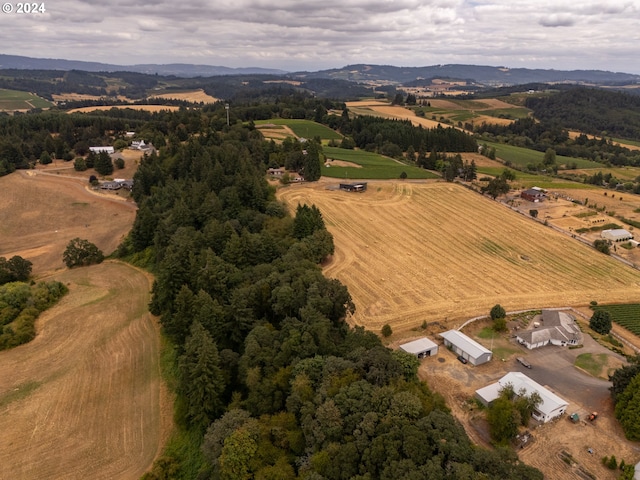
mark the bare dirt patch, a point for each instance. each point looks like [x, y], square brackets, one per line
[276, 132]
[41, 213]
[83, 399]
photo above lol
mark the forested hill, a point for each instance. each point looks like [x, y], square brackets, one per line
[272, 383]
[590, 110]
[483, 74]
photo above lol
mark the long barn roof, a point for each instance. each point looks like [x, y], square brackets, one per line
[465, 343]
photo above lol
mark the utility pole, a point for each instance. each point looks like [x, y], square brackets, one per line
[226, 107]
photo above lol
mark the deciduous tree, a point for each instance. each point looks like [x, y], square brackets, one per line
[81, 253]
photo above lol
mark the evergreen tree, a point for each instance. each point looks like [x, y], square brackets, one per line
[201, 379]
[312, 171]
[103, 164]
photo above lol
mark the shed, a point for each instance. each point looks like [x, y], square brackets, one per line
[422, 347]
[551, 406]
[617, 235]
[466, 347]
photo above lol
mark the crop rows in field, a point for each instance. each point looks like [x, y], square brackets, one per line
[430, 252]
[626, 315]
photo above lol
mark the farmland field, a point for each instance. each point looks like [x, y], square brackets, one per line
[84, 399]
[414, 252]
[626, 315]
[147, 108]
[303, 128]
[367, 165]
[523, 156]
[18, 100]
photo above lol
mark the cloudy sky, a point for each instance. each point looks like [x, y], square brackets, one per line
[318, 34]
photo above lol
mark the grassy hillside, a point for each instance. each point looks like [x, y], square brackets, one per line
[15, 100]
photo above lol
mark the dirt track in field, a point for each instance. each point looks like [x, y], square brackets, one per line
[414, 252]
[41, 213]
[84, 399]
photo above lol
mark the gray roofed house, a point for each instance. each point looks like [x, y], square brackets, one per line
[466, 347]
[422, 347]
[556, 328]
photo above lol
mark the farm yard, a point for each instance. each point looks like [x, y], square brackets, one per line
[84, 399]
[553, 367]
[439, 252]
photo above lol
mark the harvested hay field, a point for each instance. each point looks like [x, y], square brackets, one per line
[84, 399]
[414, 252]
[190, 96]
[40, 213]
[148, 108]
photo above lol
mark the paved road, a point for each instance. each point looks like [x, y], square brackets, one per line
[553, 368]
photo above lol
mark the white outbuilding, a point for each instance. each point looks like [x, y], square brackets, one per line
[616, 235]
[549, 408]
[422, 347]
[108, 150]
[466, 347]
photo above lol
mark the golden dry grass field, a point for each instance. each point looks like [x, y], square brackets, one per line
[148, 108]
[190, 96]
[84, 399]
[414, 252]
[40, 213]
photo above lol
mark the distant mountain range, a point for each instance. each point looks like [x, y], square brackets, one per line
[479, 74]
[172, 69]
[490, 76]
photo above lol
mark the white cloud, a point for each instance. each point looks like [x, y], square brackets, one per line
[315, 34]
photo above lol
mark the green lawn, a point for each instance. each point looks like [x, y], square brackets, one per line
[592, 363]
[372, 166]
[17, 100]
[304, 128]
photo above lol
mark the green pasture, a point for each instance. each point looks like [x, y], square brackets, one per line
[513, 113]
[626, 315]
[17, 100]
[372, 166]
[522, 157]
[304, 128]
[528, 180]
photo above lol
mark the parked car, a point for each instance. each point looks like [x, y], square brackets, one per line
[462, 359]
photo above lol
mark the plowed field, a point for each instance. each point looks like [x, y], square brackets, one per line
[83, 399]
[414, 252]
